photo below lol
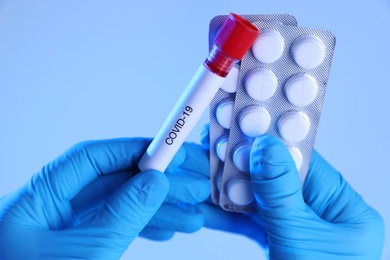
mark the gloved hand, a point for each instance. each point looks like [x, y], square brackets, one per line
[188, 175]
[89, 204]
[328, 220]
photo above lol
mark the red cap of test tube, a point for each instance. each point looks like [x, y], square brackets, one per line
[236, 36]
[230, 45]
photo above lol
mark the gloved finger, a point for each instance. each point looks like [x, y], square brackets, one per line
[218, 219]
[274, 177]
[70, 173]
[187, 187]
[174, 217]
[277, 189]
[191, 156]
[156, 234]
[129, 209]
[331, 197]
[96, 193]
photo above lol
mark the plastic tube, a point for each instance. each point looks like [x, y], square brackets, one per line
[230, 45]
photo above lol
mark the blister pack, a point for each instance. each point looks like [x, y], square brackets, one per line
[221, 107]
[280, 87]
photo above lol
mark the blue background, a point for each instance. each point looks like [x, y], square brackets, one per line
[80, 70]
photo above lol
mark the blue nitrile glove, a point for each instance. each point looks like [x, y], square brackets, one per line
[53, 216]
[188, 176]
[329, 220]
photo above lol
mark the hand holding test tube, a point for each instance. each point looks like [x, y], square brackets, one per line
[230, 45]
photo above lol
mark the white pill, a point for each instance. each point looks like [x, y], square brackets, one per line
[239, 191]
[241, 156]
[297, 156]
[268, 47]
[301, 89]
[224, 112]
[294, 126]
[221, 146]
[308, 51]
[260, 84]
[254, 121]
[230, 83]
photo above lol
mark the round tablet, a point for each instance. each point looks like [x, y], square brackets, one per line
[241, 156]
[296, 155]
[230, 83]
[260, 84]
[294, 126]
[224, 112]
[268, 47]
[301, 89]
[308, 51]
[221, 146]
[239, 191]
[254, 121]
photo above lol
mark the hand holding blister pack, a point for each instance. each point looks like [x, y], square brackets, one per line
[279, 90]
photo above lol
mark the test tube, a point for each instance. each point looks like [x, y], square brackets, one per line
[233, 40]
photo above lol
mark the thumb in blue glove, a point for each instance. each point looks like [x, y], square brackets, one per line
[38, 222]
[329, 220]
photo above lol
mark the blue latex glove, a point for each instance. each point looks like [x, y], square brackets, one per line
[188, 176]
[87, 204]
[328, 220]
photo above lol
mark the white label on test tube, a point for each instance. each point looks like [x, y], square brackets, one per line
[182, 119]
